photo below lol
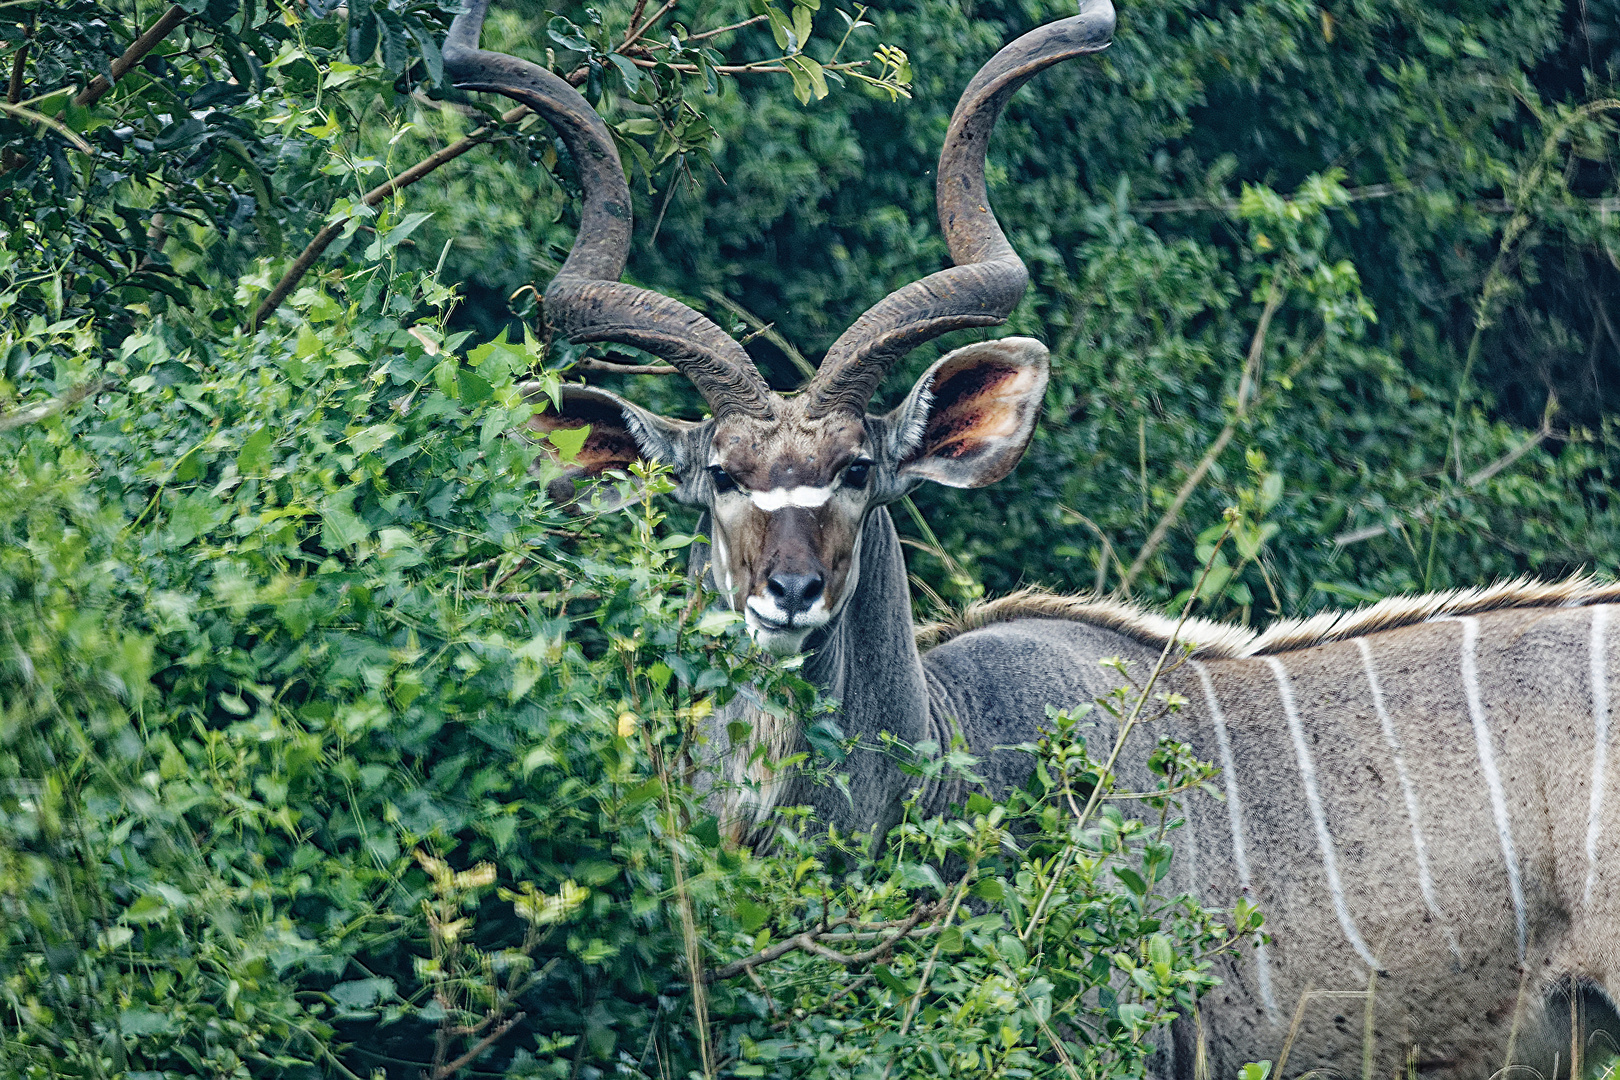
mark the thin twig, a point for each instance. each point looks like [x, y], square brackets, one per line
[590, 363]
[1125, 730]
[1251, 372]
[523, 597]
[734, 26]
[133, 55]
[763, 329]
[631, 37]
[1424, 512]
[451, 1068]
[1106, 554]
[811, 942]
[334, 229]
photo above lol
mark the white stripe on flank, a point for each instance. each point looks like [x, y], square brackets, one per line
[1234, 809]
[1600, 754]
[1493, 778]
[1419, 847]
[1313, 798]
[780, 498]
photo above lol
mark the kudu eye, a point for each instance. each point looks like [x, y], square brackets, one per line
[722, 479]
[855, 476]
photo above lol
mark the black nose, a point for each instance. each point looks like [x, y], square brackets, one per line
[795, 593]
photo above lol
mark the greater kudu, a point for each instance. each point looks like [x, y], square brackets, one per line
[1419, 790]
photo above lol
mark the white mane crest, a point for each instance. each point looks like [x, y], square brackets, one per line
[1223, 641]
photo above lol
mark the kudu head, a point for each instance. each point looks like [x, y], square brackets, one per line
[789, 480]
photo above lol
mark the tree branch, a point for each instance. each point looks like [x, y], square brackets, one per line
[811, 942]
[590, 363]
[451, 1068]
[132, 56]
[334, 229]
[19, 62]
[734, 26]
[634, 35]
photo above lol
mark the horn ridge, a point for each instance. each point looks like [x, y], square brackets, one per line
[585, 300]
[989, 278]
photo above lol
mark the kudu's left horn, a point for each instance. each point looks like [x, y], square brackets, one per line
[586, 301]
[989, 278]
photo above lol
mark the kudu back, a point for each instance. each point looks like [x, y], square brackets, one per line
[1418, 795]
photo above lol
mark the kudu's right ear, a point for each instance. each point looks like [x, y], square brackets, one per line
[620, 433]
[971, 415]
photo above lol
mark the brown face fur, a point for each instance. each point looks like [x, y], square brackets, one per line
[786, 515]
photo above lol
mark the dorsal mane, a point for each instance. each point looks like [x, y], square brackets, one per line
[1222, 641]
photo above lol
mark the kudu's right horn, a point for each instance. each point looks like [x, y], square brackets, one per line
[586, 301]
[989, 278]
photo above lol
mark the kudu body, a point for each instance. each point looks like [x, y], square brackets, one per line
[1419, 790]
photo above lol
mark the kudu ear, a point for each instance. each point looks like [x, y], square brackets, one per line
[620, 433]
[968, 419]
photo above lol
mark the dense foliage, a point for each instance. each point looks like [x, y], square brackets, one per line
[329, 744]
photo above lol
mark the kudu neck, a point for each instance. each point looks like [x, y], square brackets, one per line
[866, 659]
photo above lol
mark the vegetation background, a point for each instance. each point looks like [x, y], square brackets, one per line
[329, 745]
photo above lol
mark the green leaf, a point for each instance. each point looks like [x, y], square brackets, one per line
[890, 980]
[361, 994]
[707, 831]
[388, 240]
[567, 35]
[362, 36]
[146, 909]
[628, 69]
[751, 916]
[1133, 881]
[341, 527]
[569, 441]
[254, 457]
[801, 24]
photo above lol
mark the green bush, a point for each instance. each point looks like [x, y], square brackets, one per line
[331, 745]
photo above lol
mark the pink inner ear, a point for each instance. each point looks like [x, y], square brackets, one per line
[974, 405]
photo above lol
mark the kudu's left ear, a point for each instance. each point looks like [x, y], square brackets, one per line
[967, 421]
[620, 432]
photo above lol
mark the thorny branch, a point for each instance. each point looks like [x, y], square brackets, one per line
[450, 1068]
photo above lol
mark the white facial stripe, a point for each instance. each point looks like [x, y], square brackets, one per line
[780, 498]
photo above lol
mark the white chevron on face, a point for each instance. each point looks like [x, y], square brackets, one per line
[1313, 799]
[1234, 809]
[1600, 752]
[1493, 776]
[1409, 793]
